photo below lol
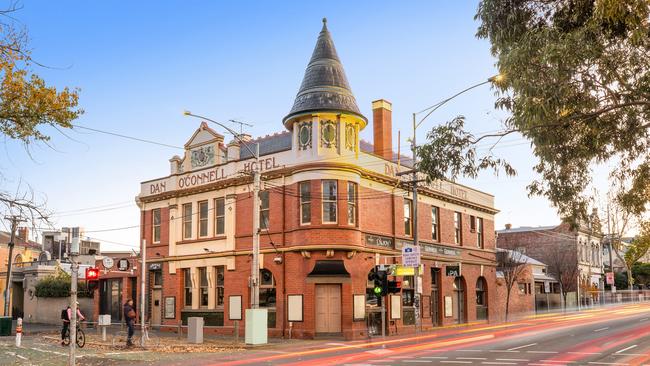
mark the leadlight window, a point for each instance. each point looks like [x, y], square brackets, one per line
[187, 278]
[219, 274]
[352, 203]
[203, 286]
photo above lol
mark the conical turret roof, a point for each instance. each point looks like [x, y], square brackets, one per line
[325, 87]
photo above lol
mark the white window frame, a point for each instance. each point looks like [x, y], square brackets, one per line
[187, 220]
[203, 220]
[329, 200]
[435, 223]
[305, 201]
[458, 228]
[156, 226]
[352, 203]
[408, 216]
[219, 202]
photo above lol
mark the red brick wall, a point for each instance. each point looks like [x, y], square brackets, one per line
[520, 304]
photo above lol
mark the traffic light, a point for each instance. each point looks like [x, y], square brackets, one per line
[380, 278]
[92, 274]
[92, 278]
[394, 287]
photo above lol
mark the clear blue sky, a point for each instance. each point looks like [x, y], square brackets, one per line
[140, 64]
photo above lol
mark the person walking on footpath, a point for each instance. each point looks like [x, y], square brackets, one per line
[66, 315]
[129, 317]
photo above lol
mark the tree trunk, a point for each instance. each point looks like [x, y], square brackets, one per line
[508, 302]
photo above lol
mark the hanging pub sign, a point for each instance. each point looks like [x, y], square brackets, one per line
[452, 271]
[123, 264]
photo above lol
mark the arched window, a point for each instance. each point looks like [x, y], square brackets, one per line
[481, 299]
[18, 258]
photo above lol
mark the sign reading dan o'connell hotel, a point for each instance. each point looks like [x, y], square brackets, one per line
[332, 207]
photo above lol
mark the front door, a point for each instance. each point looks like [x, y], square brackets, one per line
[328, 308]
[156, 298]
[459, 289]
[435, 295]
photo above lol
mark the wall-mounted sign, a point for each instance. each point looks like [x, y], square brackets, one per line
[170, 307]
[410, 255]
[294, 308]
[452, 271]
[123, 264]
[155, 266]
[440, 250]
[379, 241]
[234, 307]
[449, 309]
[610, 278]
[108, 262]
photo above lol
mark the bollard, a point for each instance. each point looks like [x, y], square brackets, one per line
[19, 331]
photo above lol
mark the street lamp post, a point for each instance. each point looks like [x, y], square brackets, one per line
[414, 182]
[255, 271]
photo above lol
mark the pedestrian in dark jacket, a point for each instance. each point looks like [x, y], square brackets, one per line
[129, 317]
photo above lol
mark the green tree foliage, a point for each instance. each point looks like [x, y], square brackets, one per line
[639, 246]
[641, 273]
[577, 85]
[58, 285]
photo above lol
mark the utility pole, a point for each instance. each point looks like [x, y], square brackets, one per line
[255, 270]
[14, 225]
[74, 251]
[143, 277]
[612, 287]
[416, 278]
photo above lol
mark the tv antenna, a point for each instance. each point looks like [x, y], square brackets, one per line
[241, 125]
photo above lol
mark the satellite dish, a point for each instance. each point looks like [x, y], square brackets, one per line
[44, 256]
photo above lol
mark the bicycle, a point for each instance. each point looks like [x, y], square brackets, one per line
[81, 337]
[145, 340]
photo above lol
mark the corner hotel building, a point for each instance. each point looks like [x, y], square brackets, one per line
[331, 209]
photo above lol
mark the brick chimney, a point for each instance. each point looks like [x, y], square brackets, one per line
[382, 124]
[23, 233]
[508, 226]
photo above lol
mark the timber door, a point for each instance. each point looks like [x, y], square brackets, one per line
[435, 296]
[328, 308]
[156, 299]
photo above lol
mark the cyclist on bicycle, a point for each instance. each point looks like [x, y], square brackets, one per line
[66, 315]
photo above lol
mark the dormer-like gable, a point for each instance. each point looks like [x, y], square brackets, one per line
[205, 148]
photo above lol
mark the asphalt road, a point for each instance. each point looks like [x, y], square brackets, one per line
[608, 336]
[611, 336]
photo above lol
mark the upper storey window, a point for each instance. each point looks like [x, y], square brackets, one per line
[304, 135]
[350, 136]
[458, 233]
[305, 203]
[408, 217]
[330, 195]
[187, 221]
[219, 216]
[156, 225]
[264, 209]
[352, 203]
[328, 133]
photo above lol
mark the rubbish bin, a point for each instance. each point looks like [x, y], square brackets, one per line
[5, 326]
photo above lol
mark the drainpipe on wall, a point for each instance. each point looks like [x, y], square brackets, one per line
[284, 228]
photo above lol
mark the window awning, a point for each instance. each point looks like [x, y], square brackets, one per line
[329, 271]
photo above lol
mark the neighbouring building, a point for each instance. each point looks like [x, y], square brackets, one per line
[57, 243]
[532, 291]
[577, 251]
[332, 207]
[25, 250]
[117, 284]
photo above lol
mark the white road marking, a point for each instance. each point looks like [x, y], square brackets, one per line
[436, 357]
[630, 354]
[470, 350]
[505, 351]
[644, 319]
[625, 349]
[15, 355]
[601, 329]
[46, 351]
[399, 357]
[542, 352]
[584, 353]
[417, 361]
[464, 362]
[471, 358]
[513, 359]
[555, 361]
[498, 363]
[520, 347]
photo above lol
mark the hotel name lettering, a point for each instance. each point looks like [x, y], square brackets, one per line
[391, 170]
[212, 175]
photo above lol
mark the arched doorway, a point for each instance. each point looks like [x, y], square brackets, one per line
[460, 293]
[481, 299]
